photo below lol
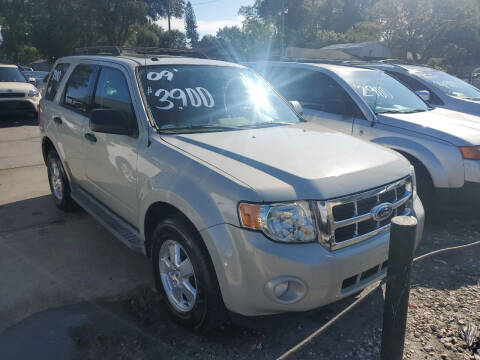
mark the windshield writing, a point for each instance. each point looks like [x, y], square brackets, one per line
[208, 98]
[450, 85]
[383, 93]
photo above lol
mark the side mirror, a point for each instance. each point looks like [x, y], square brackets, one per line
[424, 95]
[297, 107]
[110, 121]
[32, 81]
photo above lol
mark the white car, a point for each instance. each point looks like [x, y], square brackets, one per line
[17, 95]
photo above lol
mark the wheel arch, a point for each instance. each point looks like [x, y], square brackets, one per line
[414, 151]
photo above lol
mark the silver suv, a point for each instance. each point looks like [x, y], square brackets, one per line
[240, 203]
[443, 145]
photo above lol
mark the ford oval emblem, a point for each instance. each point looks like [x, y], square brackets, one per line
[382, 211]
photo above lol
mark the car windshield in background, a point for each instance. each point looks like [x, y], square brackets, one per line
[8, 74]
[383, 93]
[197, 98]
[449, 85]
[37, 75]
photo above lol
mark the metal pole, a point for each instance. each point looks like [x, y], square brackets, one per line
[400, 255]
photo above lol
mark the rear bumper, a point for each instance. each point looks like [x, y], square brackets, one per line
[248, 266]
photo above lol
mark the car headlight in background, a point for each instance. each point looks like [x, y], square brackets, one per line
[284, 222]
[470, 152]
[33, 93]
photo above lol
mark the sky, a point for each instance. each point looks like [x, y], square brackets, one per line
[212, 15]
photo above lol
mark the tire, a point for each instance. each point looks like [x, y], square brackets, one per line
[425, 188]
[58, 182]
[203, 310]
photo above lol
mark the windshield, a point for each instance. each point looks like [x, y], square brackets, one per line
[449, 85]
[383, 93]
[196, 98]
[8, 74]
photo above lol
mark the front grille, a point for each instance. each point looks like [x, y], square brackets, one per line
[11, 95]
[352, 219]
[16, 105]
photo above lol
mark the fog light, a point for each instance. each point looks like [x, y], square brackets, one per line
[280, 289]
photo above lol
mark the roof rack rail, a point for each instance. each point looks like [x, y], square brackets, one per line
[137, 51]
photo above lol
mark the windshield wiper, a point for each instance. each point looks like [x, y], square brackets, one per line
[197, 128]
[265, 124]
[471, 98]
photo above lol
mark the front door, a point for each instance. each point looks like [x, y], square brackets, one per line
[111, 160]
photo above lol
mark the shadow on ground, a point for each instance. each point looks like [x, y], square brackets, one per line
[15, 121]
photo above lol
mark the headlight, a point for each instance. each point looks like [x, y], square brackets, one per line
[284, 222]
[33, 93]
[470, 152]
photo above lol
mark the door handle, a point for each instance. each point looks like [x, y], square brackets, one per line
[57, 120]
[90, 137]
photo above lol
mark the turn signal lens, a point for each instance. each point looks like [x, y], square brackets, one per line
[249, 215]
[470, 152]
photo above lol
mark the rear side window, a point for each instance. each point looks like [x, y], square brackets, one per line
[55, 79]
[78, 92]
[415, 85]
[112, 92]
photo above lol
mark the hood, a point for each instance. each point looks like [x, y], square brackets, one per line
[15, 87]
[457, 128]
[292, 162]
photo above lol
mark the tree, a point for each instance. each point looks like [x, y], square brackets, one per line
[15, 26]
[165, 8]
[191, 25]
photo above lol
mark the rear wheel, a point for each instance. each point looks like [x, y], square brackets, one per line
[185, 276]
[58, 182]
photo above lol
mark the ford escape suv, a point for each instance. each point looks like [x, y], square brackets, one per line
[242, 205]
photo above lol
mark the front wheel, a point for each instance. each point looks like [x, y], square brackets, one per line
[58, 182]
[185, 276]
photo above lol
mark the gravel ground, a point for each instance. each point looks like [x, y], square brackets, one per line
[444, 313]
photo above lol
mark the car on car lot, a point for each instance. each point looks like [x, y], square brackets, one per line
[438, 88]
[443, 145]
[17, 95]
[240, 203]
[38, 77]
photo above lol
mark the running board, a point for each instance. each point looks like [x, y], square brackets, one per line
[126, 233]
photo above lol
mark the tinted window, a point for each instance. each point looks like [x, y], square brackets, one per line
[416, 85]
[55, 79]
[11, 74]
[313, 90]
[112, 91]
[79, 88]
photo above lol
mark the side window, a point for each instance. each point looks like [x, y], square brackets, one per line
[415, 85]
[55, 79]
[112, 92]
[314, 90]
[78, 92]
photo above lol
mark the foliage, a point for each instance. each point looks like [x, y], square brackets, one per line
[191, 25]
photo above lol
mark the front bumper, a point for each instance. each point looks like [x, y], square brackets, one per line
[247, 263]
[15, 106]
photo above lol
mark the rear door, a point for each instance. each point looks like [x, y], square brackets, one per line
[71, 118]
[111, 159]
